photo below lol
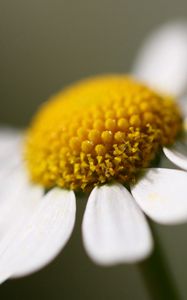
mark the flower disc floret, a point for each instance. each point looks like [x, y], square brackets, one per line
[98, 130]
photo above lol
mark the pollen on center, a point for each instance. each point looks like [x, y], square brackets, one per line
[98, 130]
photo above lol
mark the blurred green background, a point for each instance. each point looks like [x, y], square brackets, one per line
[45, 45]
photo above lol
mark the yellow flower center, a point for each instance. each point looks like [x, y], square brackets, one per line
[98, 130]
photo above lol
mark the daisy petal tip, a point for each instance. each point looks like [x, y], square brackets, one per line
[111, 261]
[114, 230]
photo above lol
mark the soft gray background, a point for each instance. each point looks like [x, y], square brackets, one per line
[45, 45]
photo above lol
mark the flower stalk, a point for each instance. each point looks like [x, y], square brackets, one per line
[157, 275]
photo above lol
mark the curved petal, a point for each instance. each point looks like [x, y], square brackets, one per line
[114, 228]
[162, 61]
[162, 195]
[33, 228]
[165, 163]
[177, 153]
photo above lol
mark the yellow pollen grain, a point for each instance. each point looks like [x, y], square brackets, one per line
[98, 130]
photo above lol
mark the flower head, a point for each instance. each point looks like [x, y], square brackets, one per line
[99, 130]
[97, 135]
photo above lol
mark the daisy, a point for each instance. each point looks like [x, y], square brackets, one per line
[98, 136]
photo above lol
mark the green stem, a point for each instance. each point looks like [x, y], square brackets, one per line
[157, 275]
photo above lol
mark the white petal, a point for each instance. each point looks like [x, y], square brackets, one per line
[7, 133]
[34, 242]
[114, 228]
[10, 148]
[165, 163]
[162, 195]
[182, 102]
[18, 198]
[162, 61]
[11, 162]
[177, 154]
[8, 139]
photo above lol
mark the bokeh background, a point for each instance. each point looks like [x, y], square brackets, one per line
[45, 45]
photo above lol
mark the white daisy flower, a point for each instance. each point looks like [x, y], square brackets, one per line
[97, 136]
